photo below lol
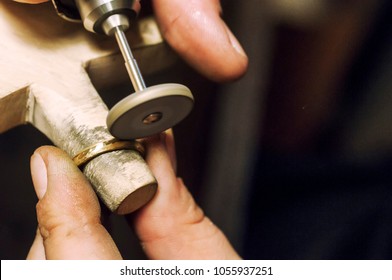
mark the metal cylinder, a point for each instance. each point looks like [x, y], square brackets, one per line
[95, 12]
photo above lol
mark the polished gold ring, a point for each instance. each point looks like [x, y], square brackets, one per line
[82, 158]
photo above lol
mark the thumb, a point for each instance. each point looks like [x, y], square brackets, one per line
[68, 211]
[31, 1]
[196, 31]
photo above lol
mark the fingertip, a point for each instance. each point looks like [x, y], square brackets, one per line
[158, 158]
[65, 195]
[227, 60]
[239, 62]
[229, 68]
[46, 163]
[198, 33]
[69, 213]
[31, 1]
[38, 174]
[67, 190]
[52, 155]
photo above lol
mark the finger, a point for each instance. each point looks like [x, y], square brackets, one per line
[172, 226]
[31, 1]
[37, 250]
[171, 148]
[68, 212]
[196, 31]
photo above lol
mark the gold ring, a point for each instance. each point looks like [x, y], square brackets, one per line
[92, 152]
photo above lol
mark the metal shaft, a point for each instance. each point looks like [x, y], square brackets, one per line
[130, 62]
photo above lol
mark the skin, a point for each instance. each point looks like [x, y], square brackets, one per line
[172, 225]
[195, 30]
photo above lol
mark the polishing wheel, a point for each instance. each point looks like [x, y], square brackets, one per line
[150, 111]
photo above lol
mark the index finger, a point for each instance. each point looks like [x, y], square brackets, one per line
[196, 31]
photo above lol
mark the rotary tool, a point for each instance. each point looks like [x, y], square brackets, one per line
[149, 110]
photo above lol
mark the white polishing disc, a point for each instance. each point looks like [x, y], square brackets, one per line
[150, 111]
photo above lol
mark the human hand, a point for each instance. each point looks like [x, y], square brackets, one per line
[31, 1]
[196, 31]
[171, 226]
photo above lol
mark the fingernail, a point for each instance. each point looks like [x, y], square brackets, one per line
[165, 139]
[235, 44]
[170, 148]
[39, 174]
